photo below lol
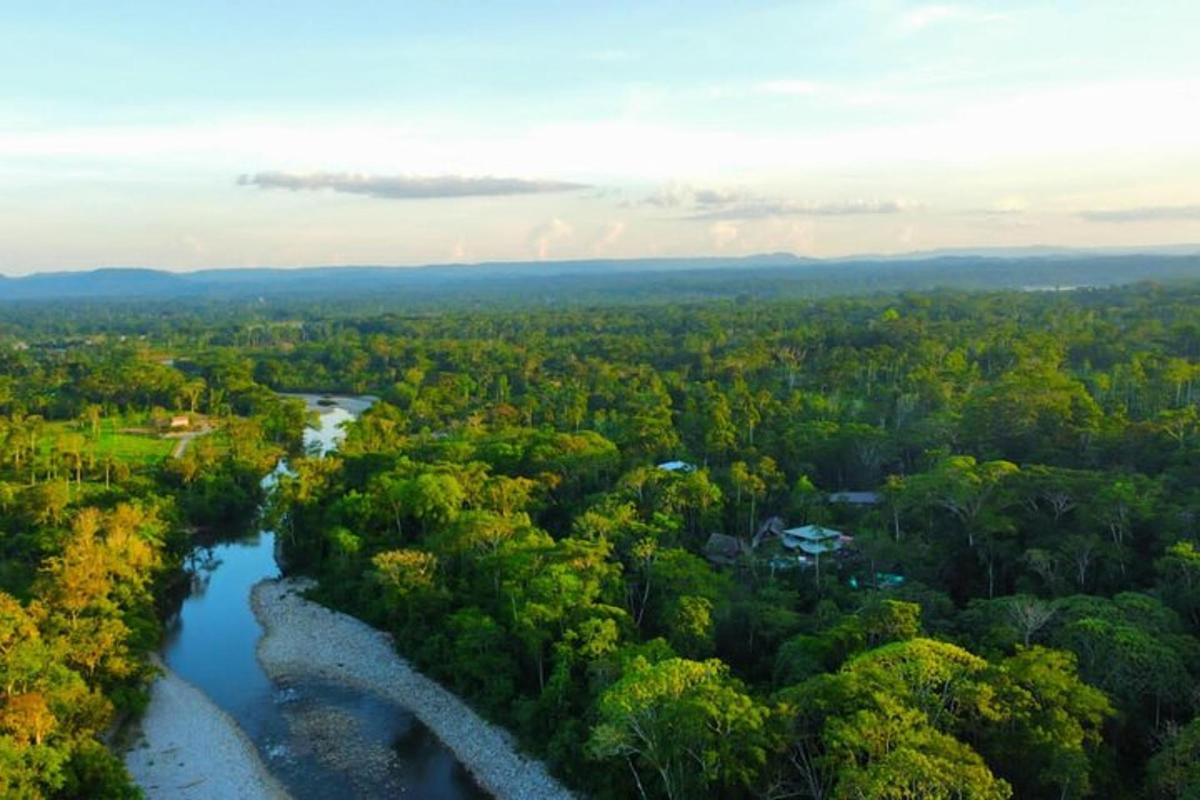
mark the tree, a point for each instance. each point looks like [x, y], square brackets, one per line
[971, 491]
[1174, 772]
[46, 709]
[1130, 647]
[192, 391]
[97, 584]
[1028, 615]
[1179, 569]
[753, 485]
[894, 754]
[72, 447]
[46, 503]
[976, 495]
[1032, 414]
[719, 434]
[1118, 505]
[549, 587]
[807, 501]
[404, 577]
[92, 416]
[473, 657]
[881, 727]
[746, 485]
[1046, 724]
[690, 626]
[665, 575]
[685, 723]
[891, 621]
[695, 496]
[433, 498]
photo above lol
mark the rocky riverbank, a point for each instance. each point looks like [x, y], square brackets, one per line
[188, 749]
[303, 640]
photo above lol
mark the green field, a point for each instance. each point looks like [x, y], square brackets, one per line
[132, 448]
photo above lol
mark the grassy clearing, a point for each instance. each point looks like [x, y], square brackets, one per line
[138, 449]
[132, 447]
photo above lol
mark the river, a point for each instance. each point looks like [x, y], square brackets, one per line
[319, 739]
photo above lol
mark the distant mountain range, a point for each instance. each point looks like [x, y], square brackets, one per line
[119, 282]
[766, 274]
[1033, 251]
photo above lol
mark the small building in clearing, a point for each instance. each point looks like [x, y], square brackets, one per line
[724, 550]
[677, 466]
[179, 422]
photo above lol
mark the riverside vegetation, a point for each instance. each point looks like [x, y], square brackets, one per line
[94, 523]
[1017, 615]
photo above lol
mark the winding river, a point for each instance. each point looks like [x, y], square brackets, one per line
[319, 739]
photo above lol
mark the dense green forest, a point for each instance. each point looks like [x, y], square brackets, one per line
[1016, 613]
[583, 520]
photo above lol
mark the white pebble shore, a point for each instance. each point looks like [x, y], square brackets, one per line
[305, 639]
[188, 749]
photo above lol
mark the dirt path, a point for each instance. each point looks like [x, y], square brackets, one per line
[185, 439]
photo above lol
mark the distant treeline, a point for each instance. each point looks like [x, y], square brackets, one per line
[119, 293]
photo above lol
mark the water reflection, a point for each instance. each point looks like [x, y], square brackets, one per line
[321, 740]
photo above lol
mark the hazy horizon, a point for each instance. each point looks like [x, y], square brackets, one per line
[186, 137]
[1024, 253]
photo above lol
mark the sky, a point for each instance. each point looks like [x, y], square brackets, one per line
[184, 135]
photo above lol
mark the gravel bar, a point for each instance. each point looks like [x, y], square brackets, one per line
[304, 639]
[188, 749]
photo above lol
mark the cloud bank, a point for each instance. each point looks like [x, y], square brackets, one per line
[764, 208]
[405, 187]
[716, 205]
[1143, 214]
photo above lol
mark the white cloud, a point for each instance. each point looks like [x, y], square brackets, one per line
[918, 19]
[549, 233]
[1006, 206]
[610, 234]
[672, 195]
[926, 16]
[1011, 204]
[1066, 124]
[789, 87]
[678, 195]
[723, 234]
[724, 204]
[405, 187]
[719, 197]
[761, 208]
[1143, 214]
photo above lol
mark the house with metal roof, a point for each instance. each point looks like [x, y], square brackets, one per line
[814, 539]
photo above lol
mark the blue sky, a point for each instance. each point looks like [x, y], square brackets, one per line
[185, 135]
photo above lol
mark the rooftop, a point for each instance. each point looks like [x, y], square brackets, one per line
[815, 539]
[723, 549]
[856, 498]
